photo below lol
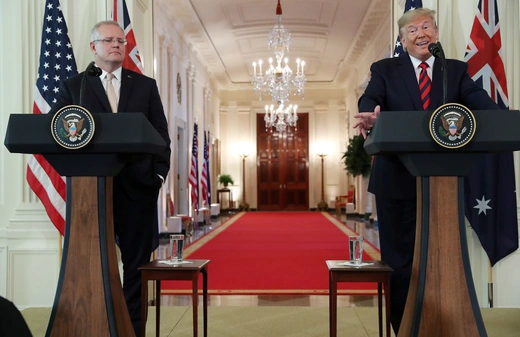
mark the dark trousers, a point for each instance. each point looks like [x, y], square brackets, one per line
[397, 222]
[133, 222]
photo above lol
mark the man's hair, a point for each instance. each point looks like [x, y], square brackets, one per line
[412, 15]
[94, 34]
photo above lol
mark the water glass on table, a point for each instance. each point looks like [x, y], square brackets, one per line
[356, 249]
[176, 247]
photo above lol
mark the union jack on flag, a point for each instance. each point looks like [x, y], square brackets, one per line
[194, 170]
[132, 59]
[409, 5]
[57, 63]
[489, 191]
[484, 53]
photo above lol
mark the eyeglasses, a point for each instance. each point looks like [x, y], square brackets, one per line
[110, 40]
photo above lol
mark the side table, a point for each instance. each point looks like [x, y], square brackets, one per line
[230, 198]
[378, 272]
[156, 271]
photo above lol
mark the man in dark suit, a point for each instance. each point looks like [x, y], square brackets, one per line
[394, 86]
[136, 187]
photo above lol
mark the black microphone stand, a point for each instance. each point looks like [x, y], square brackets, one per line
[91, 70]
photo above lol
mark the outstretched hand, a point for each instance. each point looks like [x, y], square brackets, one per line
[366, 120]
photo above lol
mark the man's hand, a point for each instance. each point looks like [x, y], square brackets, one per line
[366, 120]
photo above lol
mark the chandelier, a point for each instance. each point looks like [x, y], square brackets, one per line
[279, 80]
[280, 117]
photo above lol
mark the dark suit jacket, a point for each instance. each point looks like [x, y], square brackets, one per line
[138, 93]
[394, 87]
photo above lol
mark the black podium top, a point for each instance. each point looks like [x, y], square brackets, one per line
[117, 137]
[406, 134]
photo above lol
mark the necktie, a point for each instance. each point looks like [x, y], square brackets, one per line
[425, 85]
[111, 93]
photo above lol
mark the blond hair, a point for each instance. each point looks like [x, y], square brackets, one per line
[412, 15]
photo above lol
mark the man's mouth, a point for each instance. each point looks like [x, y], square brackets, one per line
[421, 44]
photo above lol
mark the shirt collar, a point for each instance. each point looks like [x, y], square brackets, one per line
[416, 62]
[117, 74]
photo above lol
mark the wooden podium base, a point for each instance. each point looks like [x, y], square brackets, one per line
[89, 298]
[441, 300]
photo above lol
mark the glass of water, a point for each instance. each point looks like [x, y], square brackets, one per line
[356, 249]
[176, 247]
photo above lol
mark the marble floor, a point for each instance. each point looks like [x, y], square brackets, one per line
[368, 229]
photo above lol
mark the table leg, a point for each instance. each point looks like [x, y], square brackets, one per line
[387, 306]
[205, 299]
[333, 293]
[380, 307]
[195, 300]
[144, 302]
[157, 308]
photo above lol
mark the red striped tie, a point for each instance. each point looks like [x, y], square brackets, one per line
[425, 85]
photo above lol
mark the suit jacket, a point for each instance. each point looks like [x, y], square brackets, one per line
[138, 93]
[394, 87]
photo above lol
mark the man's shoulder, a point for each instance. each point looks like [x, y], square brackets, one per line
[390, 62]
[136, 75]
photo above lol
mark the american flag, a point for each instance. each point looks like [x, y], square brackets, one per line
[204, 180]
[194, 170]
[206, 157]
[490, 197]
[132, 59]
[409, 5]
[56, 64]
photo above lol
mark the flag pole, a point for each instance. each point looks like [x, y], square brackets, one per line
[490, 284]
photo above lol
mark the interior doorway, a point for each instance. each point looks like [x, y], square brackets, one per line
[283, 166]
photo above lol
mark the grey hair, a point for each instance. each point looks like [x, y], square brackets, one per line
[94, 34]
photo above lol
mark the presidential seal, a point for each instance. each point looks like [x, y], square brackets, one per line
[72, 127]
[452, 125]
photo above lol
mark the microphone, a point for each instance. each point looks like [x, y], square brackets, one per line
[91, 70]
[436, 50]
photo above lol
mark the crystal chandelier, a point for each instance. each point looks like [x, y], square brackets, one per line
[279, 80]
[280, 117]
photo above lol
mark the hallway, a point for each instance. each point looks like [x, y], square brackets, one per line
[366, 228]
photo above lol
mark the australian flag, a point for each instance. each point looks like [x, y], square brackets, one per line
[409, 5]
[490, 197]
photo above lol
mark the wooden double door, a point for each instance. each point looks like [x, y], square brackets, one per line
[283, 167]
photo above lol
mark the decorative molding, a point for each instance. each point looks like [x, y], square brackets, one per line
[141, 4]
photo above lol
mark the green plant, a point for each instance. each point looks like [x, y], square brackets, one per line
[356, 160]
[225, 179]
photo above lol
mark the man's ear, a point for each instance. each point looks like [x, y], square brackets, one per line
[93, 48]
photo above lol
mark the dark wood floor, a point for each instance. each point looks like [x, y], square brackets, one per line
[368, 229]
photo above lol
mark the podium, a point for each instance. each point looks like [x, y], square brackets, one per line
[89, 298]
[441, 299]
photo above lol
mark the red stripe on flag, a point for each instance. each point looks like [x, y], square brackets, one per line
[41, 193]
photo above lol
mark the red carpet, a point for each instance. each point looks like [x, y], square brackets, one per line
[274, 253]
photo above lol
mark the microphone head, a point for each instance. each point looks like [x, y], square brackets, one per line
[94, 71]
[434, 49]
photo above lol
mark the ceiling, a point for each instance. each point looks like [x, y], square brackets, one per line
[228, 35]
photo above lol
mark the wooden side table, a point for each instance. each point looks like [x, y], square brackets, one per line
[156, 271]
[376, 272]
[230, 198]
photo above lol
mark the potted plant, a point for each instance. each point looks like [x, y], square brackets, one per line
[356, 160]
[225, 179]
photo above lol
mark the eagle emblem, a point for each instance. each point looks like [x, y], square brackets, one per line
[452, 125]
[72, 127]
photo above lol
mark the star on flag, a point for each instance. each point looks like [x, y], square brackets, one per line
[482, 205]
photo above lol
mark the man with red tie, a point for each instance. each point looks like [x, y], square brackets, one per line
[411, 82]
